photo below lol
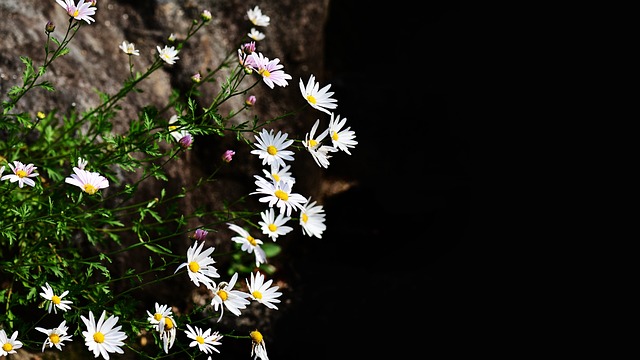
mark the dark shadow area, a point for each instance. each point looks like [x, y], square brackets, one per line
[397, 270]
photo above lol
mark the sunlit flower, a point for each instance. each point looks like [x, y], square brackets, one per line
[341, 139]
[165, 325]
[21, 173]
[206, 341]
[260, 291]
[278, 194]
[249, 243]
[228, 156]
[55, 302]
[273, 226]
[168, 54]
[312, 219]
[256, 35]
[272, 148]
[258, 347]
[319, 99]
[55, 336]
[279, 173]
[199, 265]
[257, 18]
[233, 300]
[205, 15]
[103, 337]
[318, 151]
[83, 11]
[9, 345]
[89, 182]
[129, 48]
[270, 70]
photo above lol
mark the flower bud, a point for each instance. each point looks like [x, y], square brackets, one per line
[196, 78]
[206, 15]
[49, 28]
[172, 38]
[186, 141]
[251, 100]
[228, 156]
[200, 234]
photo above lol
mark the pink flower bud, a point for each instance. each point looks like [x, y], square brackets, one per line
[228, 155]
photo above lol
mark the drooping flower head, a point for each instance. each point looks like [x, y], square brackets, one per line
[312, 218]
[270, 70]
[257, 18]
[319, 99]
[56, 336]
[89, 182]
[165, 324]
[103, 337]
[55, 301]
[341, 139]
[225, 296]
[22, 174]
[168, 54]
[82, 11]
[314, 146]
[249, 243]
[258, 347]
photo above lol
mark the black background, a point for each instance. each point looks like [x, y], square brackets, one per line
[397, 271]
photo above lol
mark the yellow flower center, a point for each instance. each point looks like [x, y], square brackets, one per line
[272, 227]
[334, 136]
[40, 115]
[305, 218]
[76, 13]
[256, 336]
[21, 173]
[194, 266]
[312, 143]
[257, 294]
[172, 127]
[7, 347]
[168, 324]
[89, 189]
[265, 73]
[98, 337]
[272, 150]
[251, 240]
[276, 177]
[281, 195]
[223, 295]
[200, 339]
[54, 338]
[311, 99]
[157, 316]
[55, 299]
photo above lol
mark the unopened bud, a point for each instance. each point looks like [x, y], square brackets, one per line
[251, 100]
[50, 27]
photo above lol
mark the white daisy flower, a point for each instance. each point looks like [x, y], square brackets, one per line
[165, 325]
[168, 54]
[161, 311]
[55, 301]
[233, 300]
[258, 347]
[103, 337]
[175, 130]
[319, 99]
[257, 18]
[279, 194]
[249, 243]
[261, 292]
[314, 145]
[55, 336]
[89, 182]
[199, 265]
[9, 345]
[256, 35]
[272, 148]
[312, 219]
[129, 48]
[273, 226]
[21, 173]
[279, 173]
[341, 139]
[204, 340]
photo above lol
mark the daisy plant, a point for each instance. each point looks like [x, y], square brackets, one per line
[101, 222]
